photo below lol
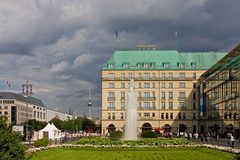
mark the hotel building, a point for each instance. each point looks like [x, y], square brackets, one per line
[165, 83]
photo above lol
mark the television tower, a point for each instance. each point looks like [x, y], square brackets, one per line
[89, 104]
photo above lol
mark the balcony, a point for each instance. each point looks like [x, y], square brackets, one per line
[111, 98]
[146, 98]
[181, 98]
[137, 78]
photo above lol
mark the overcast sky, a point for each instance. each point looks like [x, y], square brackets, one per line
[60, 45]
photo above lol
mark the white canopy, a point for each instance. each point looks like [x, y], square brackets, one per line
[50, 132]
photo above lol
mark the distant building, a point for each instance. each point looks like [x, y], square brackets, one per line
[14, 107]
[165, 85]
[57, 114]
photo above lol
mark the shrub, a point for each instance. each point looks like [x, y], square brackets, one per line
[41, 142]
[116, 135]
[236, 157]
[10, 142]
[149, 134]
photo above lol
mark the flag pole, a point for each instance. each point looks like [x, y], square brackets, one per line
[176, 36]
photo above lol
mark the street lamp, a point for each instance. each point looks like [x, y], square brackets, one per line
[27, 91]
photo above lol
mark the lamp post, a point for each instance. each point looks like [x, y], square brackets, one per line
[27, 91]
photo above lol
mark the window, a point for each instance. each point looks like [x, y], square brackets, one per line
[153, 75]
[146, 105]
[166, 115]
[171, 115]
[166, 65]
[182, 75]
[153, 94]
[163, 106]
[111, 95]
[122, 75]
[121, 117]
[194, 76]
[139, 114]
[181, 105]
[193, 65]
[122, 85]
[125, 65]
[153, 114]
[225, 115]
[139, 94]
[179, 116]
[146, 76]
[139, 85]
[111, 106]
[170, 95]
[145, 65]
[140, 105]
[170, 85]
[194, 85]
[152, 65]
[113, 115]
[194, 105]
[153, 105]
[146, 95]
[37, 115]
[170, 75]
[184, 115]
[6, 107]
[163, 85]
[146, 114]
[163, 75]
[153, 85]
[146, 85]
[34, 114]
[181, 65]
[162, 115]
[181, 84]
[138, 65]
[194, 115]
[194, 95]
[5, 113]
[182, 96]
[111, 76]
[109, 115]
[129, 75]
[122, 95]
[170, 105]
[122, 105]
[139, 75]
[110, 85]
[110, 66]
[163, 95]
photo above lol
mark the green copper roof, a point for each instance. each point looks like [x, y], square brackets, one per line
[203, 60]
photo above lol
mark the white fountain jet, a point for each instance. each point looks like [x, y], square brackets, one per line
[131, 118]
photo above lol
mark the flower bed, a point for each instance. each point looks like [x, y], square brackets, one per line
[142, 143]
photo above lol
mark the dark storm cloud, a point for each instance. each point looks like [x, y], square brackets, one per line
[60, 46]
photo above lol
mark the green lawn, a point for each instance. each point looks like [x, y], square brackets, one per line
[131, 154]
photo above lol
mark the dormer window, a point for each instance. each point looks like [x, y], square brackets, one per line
[138, 65]
[181, 65]
[110, 66]
[145, 65]
[166, 65]
[125, 65]
[193, 65]
[152, 65]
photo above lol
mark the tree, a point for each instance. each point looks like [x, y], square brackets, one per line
[36, 125]
[88, 125]
[10, 142]
[57, 122]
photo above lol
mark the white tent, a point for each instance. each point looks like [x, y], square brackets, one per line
[50, 132]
